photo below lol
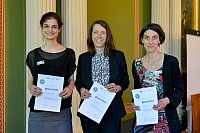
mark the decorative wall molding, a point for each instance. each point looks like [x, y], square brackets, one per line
[74, 35]
[160, 15]
[34, 11]
[167, 13]
[2, 74]
[175, 29]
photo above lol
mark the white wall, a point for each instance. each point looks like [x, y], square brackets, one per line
[193, 65]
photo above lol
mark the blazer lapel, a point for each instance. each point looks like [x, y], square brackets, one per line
[112, 68]
[88, 70]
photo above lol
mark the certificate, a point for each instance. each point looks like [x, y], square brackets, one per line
[95, 106]
[146, 98]
[51, 87]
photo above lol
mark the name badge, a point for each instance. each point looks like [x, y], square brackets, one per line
[40, 62]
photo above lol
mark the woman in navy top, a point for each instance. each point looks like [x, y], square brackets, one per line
[53, 59]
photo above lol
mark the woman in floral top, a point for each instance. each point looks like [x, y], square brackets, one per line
[162, 71]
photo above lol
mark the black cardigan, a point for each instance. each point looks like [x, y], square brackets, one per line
[172, 88]
[118, 75]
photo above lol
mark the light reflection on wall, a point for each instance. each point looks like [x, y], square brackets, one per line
[196, 15]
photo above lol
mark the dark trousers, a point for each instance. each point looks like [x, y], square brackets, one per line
[108, 126]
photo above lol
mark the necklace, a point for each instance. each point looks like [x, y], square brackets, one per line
[152, 64]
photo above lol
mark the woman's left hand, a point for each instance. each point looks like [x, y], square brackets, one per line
[67, 91]
[113, 88]
[162, 103]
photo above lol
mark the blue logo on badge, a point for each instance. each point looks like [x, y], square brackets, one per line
[137, 96]
[42, 81]
[95, 89]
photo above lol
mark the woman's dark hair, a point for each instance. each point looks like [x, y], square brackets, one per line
[155, 27]
[50, 15]
[109, 44]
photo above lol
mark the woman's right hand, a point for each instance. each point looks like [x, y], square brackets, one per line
[35, 91]
[135, 107]
[85, 93]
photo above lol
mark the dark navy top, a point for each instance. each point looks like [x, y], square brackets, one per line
[57, 64]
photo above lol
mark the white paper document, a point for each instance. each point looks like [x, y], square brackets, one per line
[146, 98]
[51, 87]
[95, 106]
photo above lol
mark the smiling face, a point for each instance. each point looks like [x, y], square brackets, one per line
[50, 29]
[151, 41]
[99, 36]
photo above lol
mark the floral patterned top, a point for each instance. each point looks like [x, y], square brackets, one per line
[100, 69]
[149, 78]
